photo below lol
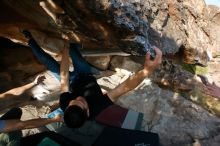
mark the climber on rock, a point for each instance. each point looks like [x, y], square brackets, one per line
[85, 99]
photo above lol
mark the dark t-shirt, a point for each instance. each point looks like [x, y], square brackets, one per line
[87, 87]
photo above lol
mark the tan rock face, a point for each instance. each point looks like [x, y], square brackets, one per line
[180, 24]
[17, 64]
[163, 110]
[131, 26]
[171, 76]
[168, 112]
[213, 27]
[101, 62]
[126, 63]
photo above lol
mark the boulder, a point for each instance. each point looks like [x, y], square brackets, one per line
[126, 25]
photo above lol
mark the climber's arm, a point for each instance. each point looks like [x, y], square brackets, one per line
[64, 69]
[20, 90]
[133, 81]
[13, 125]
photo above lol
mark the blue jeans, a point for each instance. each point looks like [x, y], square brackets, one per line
[80, 65]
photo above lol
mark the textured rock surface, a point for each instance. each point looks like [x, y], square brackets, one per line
[128, 63]
[213, 29]
[17, 64]
[189, 121]
[177, 120]
[131, 26]
[188, 27]
[101, 62]
[173, 77]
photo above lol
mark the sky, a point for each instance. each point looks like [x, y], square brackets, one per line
[213, 2]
